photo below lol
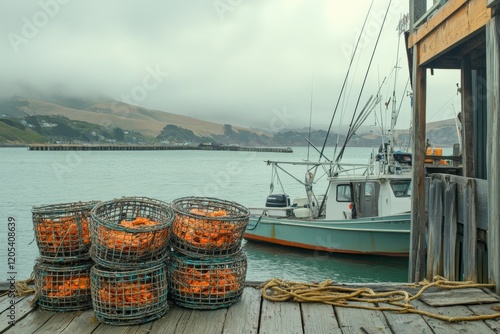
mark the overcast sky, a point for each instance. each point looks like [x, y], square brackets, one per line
[242, 62]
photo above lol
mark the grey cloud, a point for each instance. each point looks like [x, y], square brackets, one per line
[231, 64]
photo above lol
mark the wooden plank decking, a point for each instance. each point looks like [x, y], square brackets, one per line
[254, 314]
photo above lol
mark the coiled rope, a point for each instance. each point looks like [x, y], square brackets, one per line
[22, 288]
[279, 290]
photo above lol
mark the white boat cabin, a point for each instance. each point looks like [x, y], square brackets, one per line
[361, 197]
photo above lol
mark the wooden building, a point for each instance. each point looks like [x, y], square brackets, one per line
[456, 219]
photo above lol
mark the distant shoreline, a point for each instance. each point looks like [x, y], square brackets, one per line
[107, 147]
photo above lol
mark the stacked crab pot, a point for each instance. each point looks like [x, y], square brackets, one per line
[129, 246]
[62, 271]
[207, 269]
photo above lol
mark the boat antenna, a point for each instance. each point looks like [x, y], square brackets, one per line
[351, 128]
[345, 80]
[310, 116]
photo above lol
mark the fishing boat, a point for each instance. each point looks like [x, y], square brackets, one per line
[364, 209]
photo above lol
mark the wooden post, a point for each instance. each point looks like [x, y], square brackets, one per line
[418, 214]
[467, 125]
[493, 154]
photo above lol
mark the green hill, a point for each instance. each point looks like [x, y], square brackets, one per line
[15, 135]
[111, 114]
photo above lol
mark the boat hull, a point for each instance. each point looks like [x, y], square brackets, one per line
[388, 236]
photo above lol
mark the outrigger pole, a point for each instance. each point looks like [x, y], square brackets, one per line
[352, 129]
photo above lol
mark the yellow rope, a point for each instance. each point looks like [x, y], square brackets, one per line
[23, 288]
[399, 300]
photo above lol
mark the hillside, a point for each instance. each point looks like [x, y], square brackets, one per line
[66, 119]
[18, 135]
[111, 114]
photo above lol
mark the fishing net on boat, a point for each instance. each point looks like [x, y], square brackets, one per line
[130, 232]
[206, 226]
[208, 283]
[62, 231]
[129, 297]
[63, 287]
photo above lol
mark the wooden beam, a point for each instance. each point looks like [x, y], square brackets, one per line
[467, 119]
[493, 149]
[418, 214]
[463, 22]
[475, 45]
[442, 14]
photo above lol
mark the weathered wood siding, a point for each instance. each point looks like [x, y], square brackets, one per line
[450, 25]
[457, 210]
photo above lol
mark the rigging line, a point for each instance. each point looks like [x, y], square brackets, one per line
[369, 66]
[444, 105]
[349, 91]
[352, 129]
[401, 102]
[367, 109]
[313, 146]
[365, 112]
[345, 79]
[278, 177]
[289, 174]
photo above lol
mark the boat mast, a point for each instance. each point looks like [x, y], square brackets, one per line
[395, 111]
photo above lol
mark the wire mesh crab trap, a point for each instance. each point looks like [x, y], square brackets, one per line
[209, 283]
[62, 231]
[129, 297]
[63, 287]
[130, 232]
[206, 226]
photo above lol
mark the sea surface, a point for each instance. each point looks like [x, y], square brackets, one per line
[29, 178]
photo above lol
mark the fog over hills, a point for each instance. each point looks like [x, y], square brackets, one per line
[106, 116]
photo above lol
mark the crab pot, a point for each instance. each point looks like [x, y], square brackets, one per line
[209, 283]
[131, 232]
[63, 287]
[208, 226]
[62, 231]
[129, 297]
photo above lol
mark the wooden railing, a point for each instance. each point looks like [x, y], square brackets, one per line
[456, 231]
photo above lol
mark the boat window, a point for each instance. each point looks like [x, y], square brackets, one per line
[344, 193]
[368, 188]
[401, 188]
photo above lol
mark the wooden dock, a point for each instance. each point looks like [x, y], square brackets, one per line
[111, 147]
[255, 314]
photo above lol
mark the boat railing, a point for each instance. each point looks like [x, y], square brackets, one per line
[351, 169]
[271, 211]
[370, 169]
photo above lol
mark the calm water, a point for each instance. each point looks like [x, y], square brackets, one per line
[29, 178]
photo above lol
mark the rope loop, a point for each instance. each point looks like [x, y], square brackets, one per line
[278, 290]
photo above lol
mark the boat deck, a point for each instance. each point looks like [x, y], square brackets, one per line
[255, 314]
